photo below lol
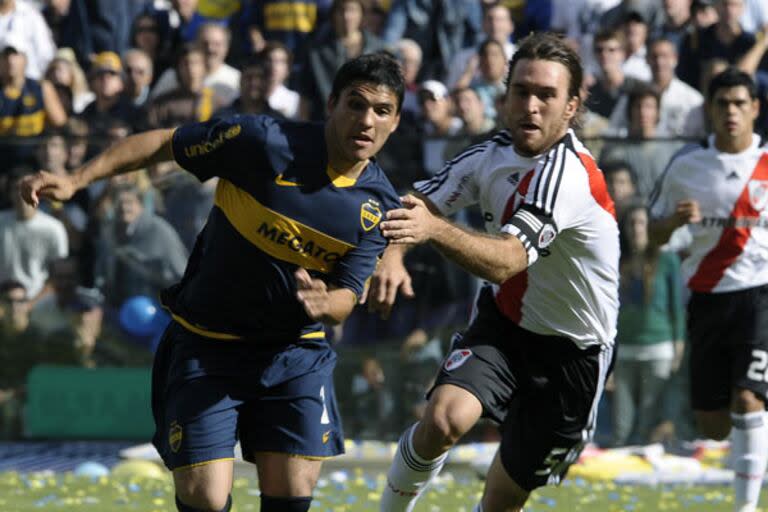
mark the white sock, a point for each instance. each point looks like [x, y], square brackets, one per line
[749, 453]
[409, 475]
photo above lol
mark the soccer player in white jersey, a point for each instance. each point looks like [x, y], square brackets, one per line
[538, 349]
[720, 188]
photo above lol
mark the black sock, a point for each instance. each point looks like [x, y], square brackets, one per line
[181, 507]
[284, 504]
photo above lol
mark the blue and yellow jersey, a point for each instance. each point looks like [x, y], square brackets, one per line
[22, 112]
[278, 206]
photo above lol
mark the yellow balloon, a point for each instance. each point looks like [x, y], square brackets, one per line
[139, 468]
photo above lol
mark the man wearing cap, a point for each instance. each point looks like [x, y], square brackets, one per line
[22, 22]
[439, 123]
[106, 79]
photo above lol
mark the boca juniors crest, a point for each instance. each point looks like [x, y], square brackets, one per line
[175, 435]
[370, 214]
[758, 194]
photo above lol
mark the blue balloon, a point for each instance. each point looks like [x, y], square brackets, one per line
[91, 469]
[139, 316]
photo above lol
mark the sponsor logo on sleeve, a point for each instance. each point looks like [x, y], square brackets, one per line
[546, 236]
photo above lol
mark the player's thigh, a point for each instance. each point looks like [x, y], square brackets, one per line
[550, 422]
[285, 475]
[501, 491]
[297, 417]
[204, 486]
[750, 349]
[710, 331]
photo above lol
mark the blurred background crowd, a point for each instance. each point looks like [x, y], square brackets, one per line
[79, 281]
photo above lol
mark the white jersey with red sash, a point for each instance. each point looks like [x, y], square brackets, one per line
[729, 250]
[558, 206]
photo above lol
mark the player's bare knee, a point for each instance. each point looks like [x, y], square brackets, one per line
[446, 425]
[202, 499]
[745, 400]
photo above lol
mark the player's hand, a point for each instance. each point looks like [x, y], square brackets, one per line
[46, 185]
[312, 294]
[389, 277]
[410, 225]
[687, 212]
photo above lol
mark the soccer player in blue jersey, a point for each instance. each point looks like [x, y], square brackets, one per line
[288, 246]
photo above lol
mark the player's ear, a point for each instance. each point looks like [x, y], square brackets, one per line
[330, 104]
[572, 107]
[395, 124]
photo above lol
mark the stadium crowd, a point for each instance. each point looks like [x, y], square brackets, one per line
[76, 75]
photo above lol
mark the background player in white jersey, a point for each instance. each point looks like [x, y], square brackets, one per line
[537, 351]
[721, 189]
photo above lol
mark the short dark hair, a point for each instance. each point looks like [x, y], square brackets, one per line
[489, 42]
[616, 166]
[640, 91]
[552, 47]
[379, 68]
[187, 49]
[732, 77]
[11, 284]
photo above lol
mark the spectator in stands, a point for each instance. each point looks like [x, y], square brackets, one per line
[677, 98]
[191, 100]
[107, 82]
[703, 14]
[146, 36]
[52, 155]
[139, 75]
[409, 56]
[23, 25]
[755, 16]
[254, 80]
[19, 351]
[374, 402]
[77, 134]
[222, 78]
[492, 67]
[345, 39]
[477, 126]
[439, 123]
[26, 105]
[29, 241]
[678, 22]
[441, 28]
[611, 82]
[265, 22]
[725, 39]
[142, 253]
[647, 9]
[280, 97]
[649, 157]
[621, 181]
[636, 34]
[66, 75]
[497, 26]
[650, 329]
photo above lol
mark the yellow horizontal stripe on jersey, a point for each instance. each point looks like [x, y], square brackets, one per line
[290, 16]
[319, 335]
[24, 125]
[279, 236]
[204, 332]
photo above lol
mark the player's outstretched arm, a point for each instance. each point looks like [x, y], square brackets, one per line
[494, 258]
[132, 153]
[330, 306]
[686, 212]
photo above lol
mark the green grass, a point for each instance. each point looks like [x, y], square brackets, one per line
[359, 492]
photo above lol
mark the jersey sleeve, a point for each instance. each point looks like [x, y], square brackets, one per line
[546, 209]
[455, 186]
[354, 269]
[221, 147]
[661, 202]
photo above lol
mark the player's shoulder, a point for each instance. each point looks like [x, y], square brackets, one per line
[498, 144]
[691, 156]
[376, 180]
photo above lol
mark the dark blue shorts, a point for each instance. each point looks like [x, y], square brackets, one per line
[207, 394]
